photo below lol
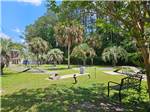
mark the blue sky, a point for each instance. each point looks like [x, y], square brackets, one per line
[16, 14]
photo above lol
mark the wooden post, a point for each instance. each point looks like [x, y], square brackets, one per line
[75, 79]
[89, 76]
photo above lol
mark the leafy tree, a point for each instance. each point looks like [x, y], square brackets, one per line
[83, 51]
[55, 56]
[94, 41]
[136, 58]
[133, 17]
[19, 47]
[67, 34]
[43, 28]
[113, 54]
[38, 46]
[75, 10]
[116, 21]
[92, 54]
[52, 5]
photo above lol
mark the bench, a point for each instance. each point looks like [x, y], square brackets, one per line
[133, 82]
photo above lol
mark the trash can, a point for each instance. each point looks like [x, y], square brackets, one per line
[82, 70]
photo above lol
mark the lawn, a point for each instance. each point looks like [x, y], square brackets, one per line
[34, 93]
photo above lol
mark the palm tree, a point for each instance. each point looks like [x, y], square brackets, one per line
[55, 56]
[6, 47]
[94, 41]
[92, 54]
[21, 48]
[68, 34]
[38, 46]
[4, 50]
[83, 51]
[113, 54]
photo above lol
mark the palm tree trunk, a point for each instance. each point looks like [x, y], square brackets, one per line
[68, 55]
[114, 63]
[55, 63]
[84, 62]
[1, 73]
[37, 60]
[2, 67]
[91, 61]
[7, 61]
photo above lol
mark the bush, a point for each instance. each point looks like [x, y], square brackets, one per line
[135, 59]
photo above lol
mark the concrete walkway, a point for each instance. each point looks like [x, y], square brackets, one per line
[115, 73]
[1, 91]
[70, 76]
[105, 68]
[112, 73]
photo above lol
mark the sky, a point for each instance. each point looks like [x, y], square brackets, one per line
[17, 14]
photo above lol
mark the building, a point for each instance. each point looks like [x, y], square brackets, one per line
[15, 56]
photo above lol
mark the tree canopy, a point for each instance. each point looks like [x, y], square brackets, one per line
[55, 56]
[83, 51]
[117, 23]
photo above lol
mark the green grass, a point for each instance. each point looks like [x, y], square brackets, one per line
[32, 92]
[12, 81]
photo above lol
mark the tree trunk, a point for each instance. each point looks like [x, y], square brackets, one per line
[7, 61]
[113, 63]
[2, 67]
[55, 63]
[37, 60]
[1, 71]
[148, 83]
[91, 61]
[68, 55]
[138, 26]
[146, 57]
[84, 62]
[148, 78]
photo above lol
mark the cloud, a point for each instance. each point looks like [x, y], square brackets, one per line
[22, 40]
[17, 30]
[3, 35]
[33, 2]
